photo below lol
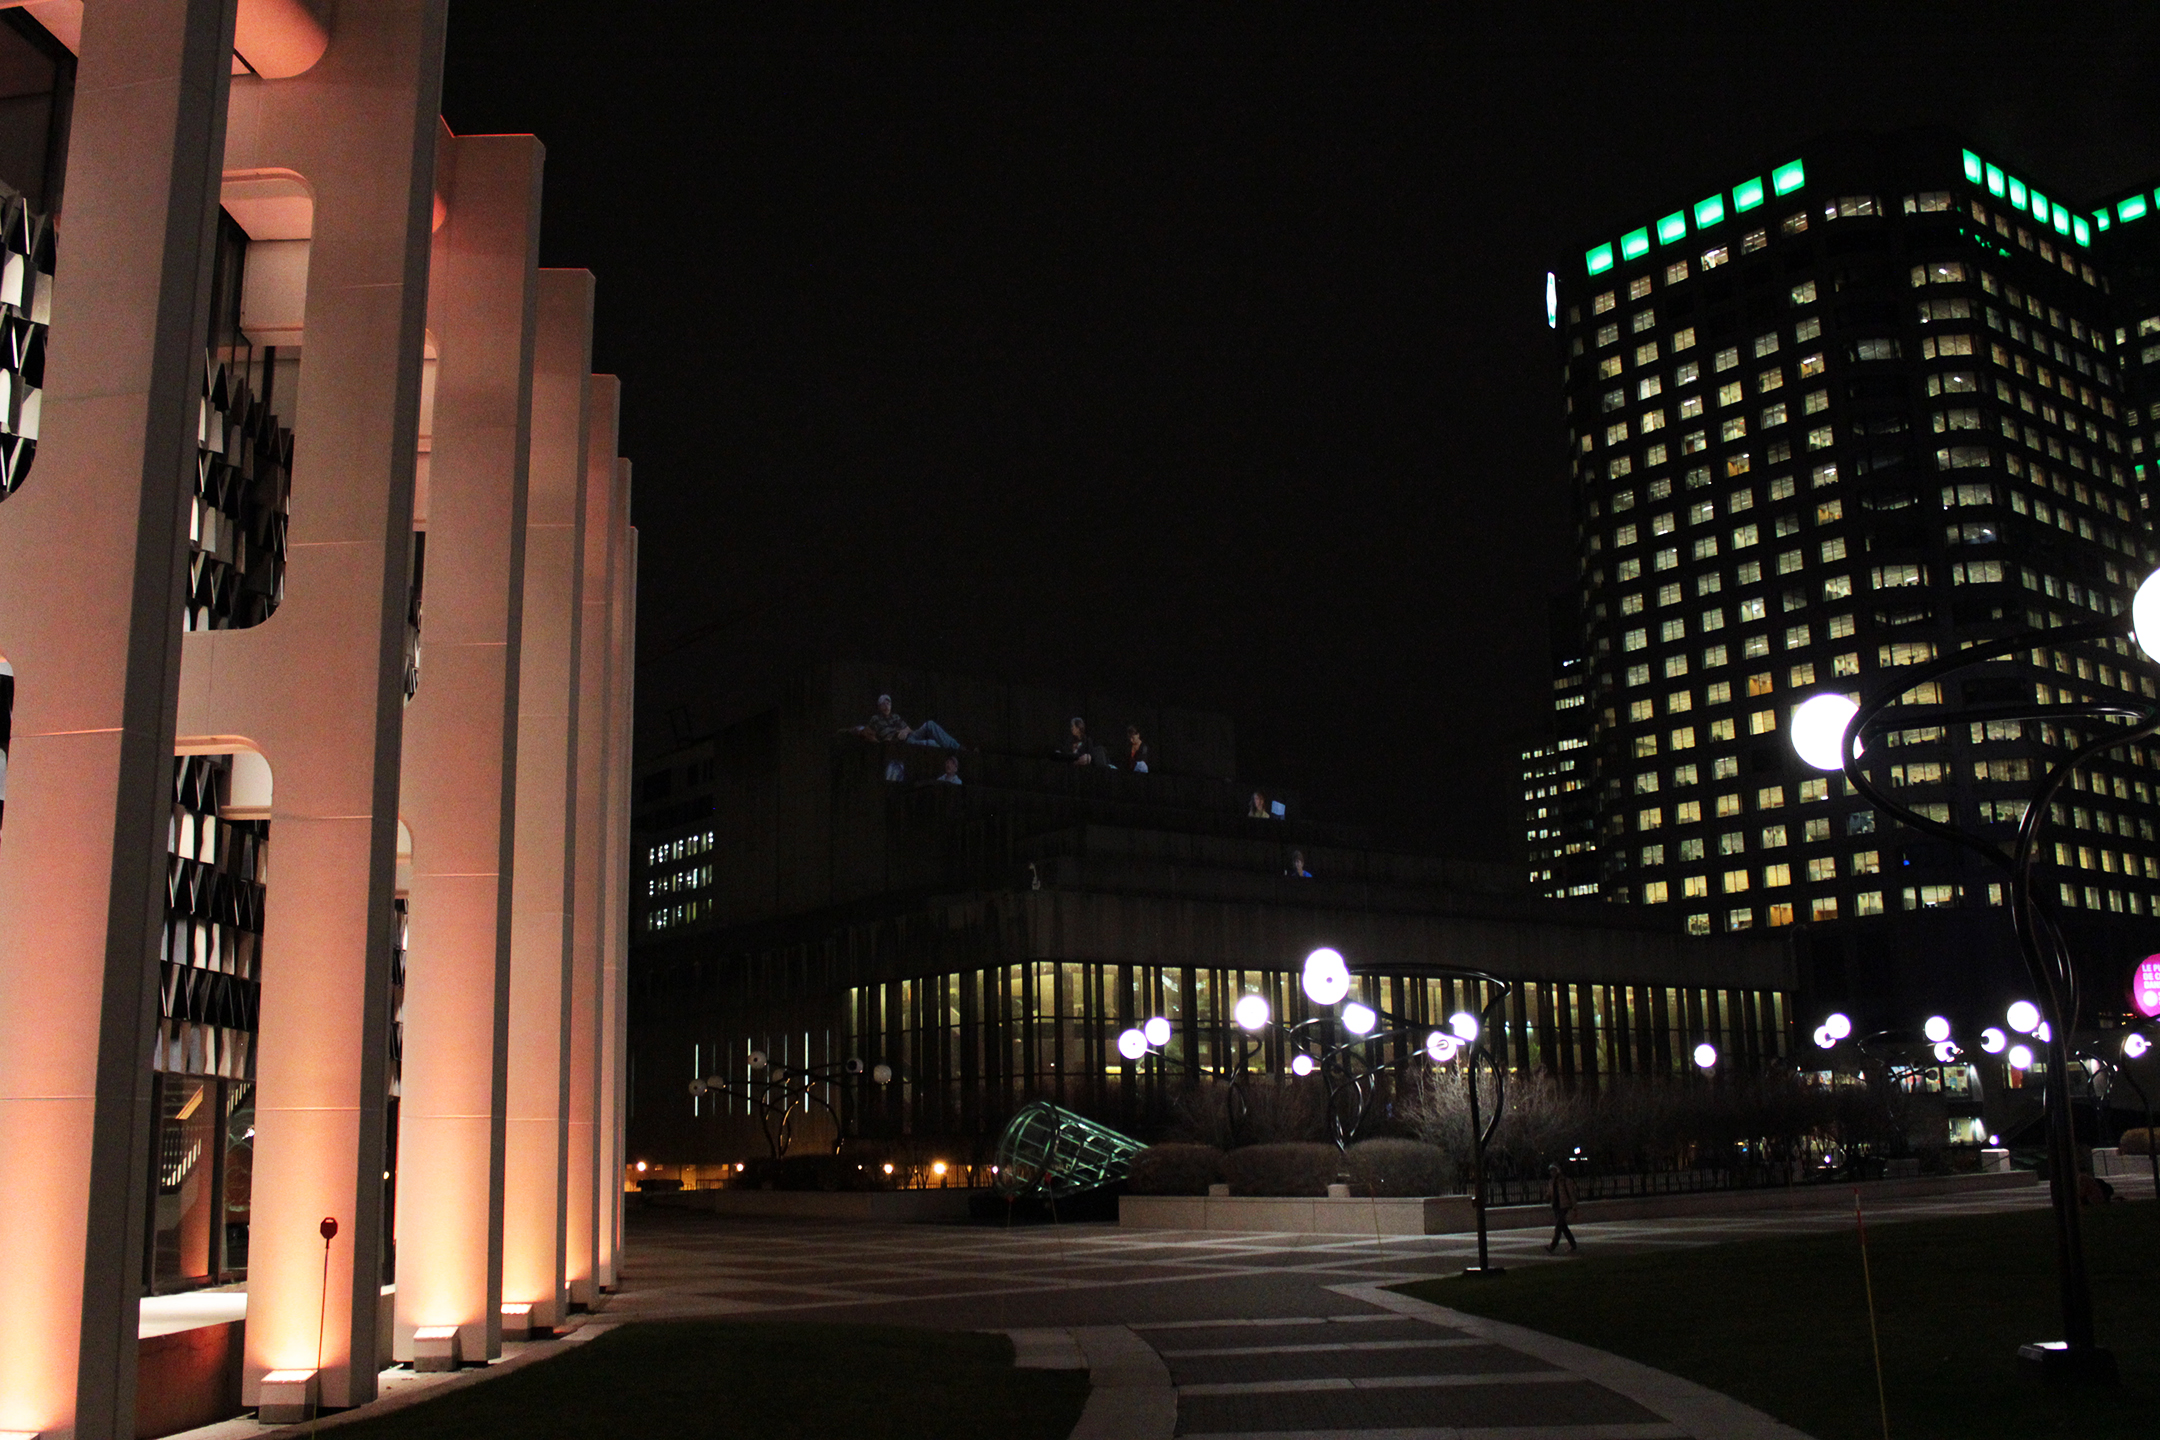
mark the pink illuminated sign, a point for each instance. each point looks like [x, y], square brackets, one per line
[2145, 987]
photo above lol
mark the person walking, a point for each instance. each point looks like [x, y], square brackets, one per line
[1560, 1194]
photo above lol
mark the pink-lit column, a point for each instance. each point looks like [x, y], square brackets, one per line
[93, 564]
[319, 687]
[615, 939]
[458, 787]
[589, 867]
[536, 1149]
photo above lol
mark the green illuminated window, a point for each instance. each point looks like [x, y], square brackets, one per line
[1747, 195]
[2131, 209]
[1672, 227]
[2060, 219]
[1709, 212]
[2100, 217]
[2038, 204]
[2017, 193]
[1635, 244]
[1994, 180]
[1599, 260]
[1973, 168]
[2080, 231]
[1788, 177]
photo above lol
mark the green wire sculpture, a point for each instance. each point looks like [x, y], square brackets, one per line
[1053, 1153]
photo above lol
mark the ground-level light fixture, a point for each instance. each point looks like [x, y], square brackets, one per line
[1157, 1031]
[1131, 1044]
[1706, 1056]
[2135, 1046]
[1302, 1065]
[1818, 730]
[1359, 1019]
[1993, 1040]
[1326, 978]
[1465, 1026]
[2021, 1056]
[1937, 1029]
[2024, 1017]
[1251, 1013]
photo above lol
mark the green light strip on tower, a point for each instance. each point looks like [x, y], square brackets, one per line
[1672, 227]
[1747, 195]
[1635, 244]
[1788, 177]
[2023, 197]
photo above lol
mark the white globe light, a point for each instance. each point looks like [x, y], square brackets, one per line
[2024, 1017]
[1326, 978]
[1465, 1026]
[1157, 1031]
[1301, 1065]
[1706, 1056]
[1824, 1040]
[2021, 1056]
[1837, 1024]
[1945, 1051]
[1359, 1019]
[698, 1087]
[1132, 1044]
[2145, 616]
[1818, 730]
[1993, 1040]
[1251, 1012]
[1936, 1029]
[2042, 1033]
[2135, 1046]
[881, 1073]
[1440, 1047]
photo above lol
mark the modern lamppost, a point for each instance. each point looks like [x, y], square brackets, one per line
[1830, 731]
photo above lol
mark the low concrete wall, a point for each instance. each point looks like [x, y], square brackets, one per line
[188, 1378]
[882, 1206]
[1452, 1214]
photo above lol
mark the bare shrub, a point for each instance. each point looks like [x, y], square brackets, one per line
[1302, 1168]
[1398, 1167]
[1174, 1168]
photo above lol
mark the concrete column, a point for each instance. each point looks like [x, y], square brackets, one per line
[614, 980]
[459, 778]
[319, 688]
[588, 885]
[536, 1145]
[93, 565]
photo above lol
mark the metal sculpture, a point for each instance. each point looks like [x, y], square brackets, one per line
[1051, 1152]
[785, 1094]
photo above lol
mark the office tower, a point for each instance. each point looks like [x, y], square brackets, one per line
[1838, 416]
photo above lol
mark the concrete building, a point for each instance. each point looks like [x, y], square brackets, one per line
[1847, 413]
[815, 898]
[317, 582]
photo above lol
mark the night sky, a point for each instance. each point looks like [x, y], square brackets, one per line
[1194, 353]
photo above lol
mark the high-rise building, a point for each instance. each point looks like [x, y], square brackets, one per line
[1841, 415]
[2126, 241]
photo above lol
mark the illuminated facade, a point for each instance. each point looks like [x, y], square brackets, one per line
[1842, 416]
[317, 566]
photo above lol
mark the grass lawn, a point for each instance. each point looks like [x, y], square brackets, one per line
[694, 1379]
[1782, 1324]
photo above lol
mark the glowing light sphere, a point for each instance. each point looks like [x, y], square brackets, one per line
[1251, 1012]
[1326, 978]
[1359, 1019]
[2024, 1017]
[937, 1167]
[698, 1087]
[1157, 1031]
[881, 1073]
[2042, 1033]
[1706, 1056]
[2021, 1056]
[1993, 1040]
[1440, 1047]
[1945, 1051]
[2145, 616]
[2135, 1046]
[757, 1059]
[1302, 1065]
[1824, 1040]
[1132, 1044]
[1465, 1026]
[1937, 1029]
[1818, 730]
[1837, 1024]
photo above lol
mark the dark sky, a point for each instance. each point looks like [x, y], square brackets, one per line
[1196, 353]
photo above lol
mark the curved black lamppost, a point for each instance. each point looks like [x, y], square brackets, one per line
[1829, 732]
[786, 1093]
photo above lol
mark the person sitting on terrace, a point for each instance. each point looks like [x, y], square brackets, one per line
[952, 772]
[1297, 870]
[885, 725]
[1078, 748]
[1258, 810]
[1136, 751]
